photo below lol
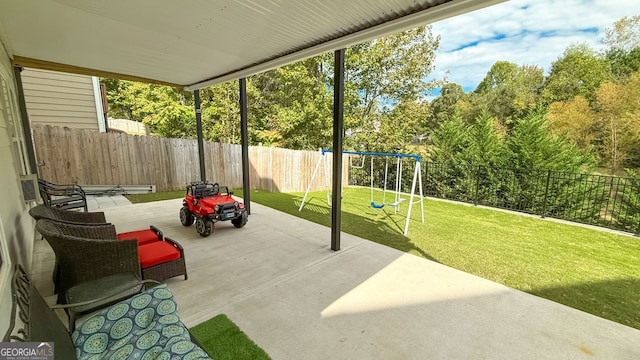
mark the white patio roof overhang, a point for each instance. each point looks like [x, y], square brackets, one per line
[192, 44]
[196, 43]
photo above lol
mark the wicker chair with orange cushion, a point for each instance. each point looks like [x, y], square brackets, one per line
[160, 257]
[144, 236]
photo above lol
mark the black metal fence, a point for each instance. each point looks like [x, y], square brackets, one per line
[607, 201]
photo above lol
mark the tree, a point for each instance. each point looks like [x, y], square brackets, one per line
[450, 172]
[445, 105]
[450, 141]
[624, 63]
[401, 127]
[618, 112]
[624, 35]
[120, 99]
[383, 73]
[579, 71]
[221, 112]
[296, 105]
[623, 41]
[484, 142]
[575, 119]
[531, 145]
[509, 90]
[610, 125]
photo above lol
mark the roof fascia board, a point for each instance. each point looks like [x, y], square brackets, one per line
[20, 61]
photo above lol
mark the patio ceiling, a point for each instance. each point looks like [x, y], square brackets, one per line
[194, 43]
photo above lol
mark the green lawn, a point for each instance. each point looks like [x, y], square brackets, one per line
[157, 196]
[222, 339]
[590, 270]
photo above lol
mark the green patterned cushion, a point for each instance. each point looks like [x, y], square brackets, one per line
[143, 327]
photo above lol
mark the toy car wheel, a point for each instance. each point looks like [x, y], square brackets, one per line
[186, 217]
[204, 227]
[241, 220]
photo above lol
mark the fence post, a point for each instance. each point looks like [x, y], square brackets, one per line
[426, 177]
[637, 204]
[475, 201]
[546, 195]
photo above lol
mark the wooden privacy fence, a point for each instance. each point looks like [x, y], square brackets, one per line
[91, 158]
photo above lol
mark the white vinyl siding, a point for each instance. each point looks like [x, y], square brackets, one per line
[60, 99]
[16, 226]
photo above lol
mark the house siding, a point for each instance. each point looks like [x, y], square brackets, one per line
[16, 226]
[60, 99]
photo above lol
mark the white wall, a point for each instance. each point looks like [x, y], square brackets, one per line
[16, 226]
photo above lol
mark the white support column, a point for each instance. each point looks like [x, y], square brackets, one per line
[97, 97]
[419, 166]
[413, 189]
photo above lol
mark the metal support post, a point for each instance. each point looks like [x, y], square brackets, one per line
[244, 132]
[196, 99]
[338, 123]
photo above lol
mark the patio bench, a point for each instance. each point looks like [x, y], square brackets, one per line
[62, 196]
[144, 326]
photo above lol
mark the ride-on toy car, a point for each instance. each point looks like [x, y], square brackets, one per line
[205, 205]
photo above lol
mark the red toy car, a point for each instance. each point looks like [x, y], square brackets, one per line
[206, 205]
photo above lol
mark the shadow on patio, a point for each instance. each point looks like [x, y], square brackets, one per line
[279, 281]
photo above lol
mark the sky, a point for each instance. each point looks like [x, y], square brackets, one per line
[534, 32]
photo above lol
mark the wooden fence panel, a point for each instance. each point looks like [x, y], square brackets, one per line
[90, 158]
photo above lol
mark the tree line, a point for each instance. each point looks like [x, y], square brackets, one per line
[583, 115]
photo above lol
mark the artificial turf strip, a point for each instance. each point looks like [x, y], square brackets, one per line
[222, 339]
[593, 271]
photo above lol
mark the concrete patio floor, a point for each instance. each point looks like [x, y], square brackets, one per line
[279, 281]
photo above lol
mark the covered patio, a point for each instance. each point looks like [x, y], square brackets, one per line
[192, 45]
[278, 279]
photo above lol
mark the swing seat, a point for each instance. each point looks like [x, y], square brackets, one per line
[376, 206]
[397, 203]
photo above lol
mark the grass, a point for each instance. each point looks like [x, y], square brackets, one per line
[157, 196]
[593, 271]
[222, 339]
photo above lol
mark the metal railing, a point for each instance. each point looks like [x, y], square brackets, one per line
[601, 200]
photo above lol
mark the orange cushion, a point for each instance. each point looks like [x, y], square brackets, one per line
[143, 236]
[157, 253]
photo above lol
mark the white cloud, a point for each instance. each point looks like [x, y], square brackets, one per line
[532, 32]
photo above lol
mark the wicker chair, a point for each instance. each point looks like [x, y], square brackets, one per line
[72, 217]
[83, 254]
[67, 196]
[93, 219]
[153, 260]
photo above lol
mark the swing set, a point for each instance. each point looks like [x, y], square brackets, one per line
[357, 159]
